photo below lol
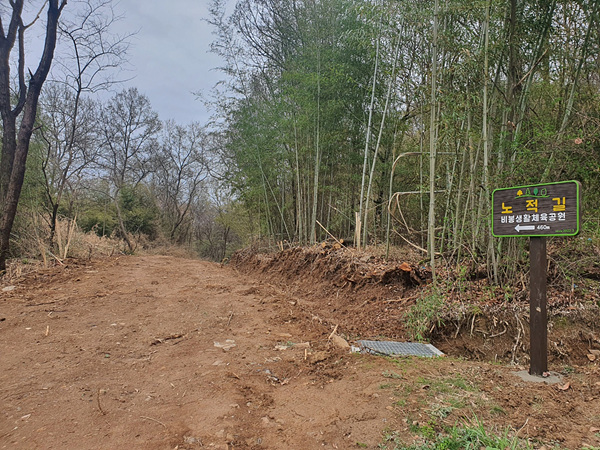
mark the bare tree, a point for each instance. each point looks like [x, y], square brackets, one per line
[128, 127]
[93, 56]
[68, 131]
[23, 105]
[179, 171]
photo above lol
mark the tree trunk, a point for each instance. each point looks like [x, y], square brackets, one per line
[367, 140]
[15, 149]
[433, 144]
[381, 127]
[313, 225]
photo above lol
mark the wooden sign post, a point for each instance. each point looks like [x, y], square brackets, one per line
[537, 211]
[538, 317]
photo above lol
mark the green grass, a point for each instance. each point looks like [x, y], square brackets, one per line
[472, 436]
[498, 410]
[441, 411]
[446, 385]
[389, 374]
[424, 314]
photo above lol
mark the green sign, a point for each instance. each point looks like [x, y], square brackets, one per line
[550, 209]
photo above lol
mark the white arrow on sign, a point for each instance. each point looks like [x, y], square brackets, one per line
[520, 227]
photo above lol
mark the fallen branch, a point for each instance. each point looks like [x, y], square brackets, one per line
[521, 429]
[421, 249]
[56, 258]
[153, 420]
[332, 333]
[331, 235]
[41, 304]
[404, 299]
[499, 334]
[98, 401]
[168, 338]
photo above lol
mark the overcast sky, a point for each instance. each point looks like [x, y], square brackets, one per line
[169, 56]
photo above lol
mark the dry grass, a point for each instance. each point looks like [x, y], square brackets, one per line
[70, 242]
[16, 269]
[35, 253]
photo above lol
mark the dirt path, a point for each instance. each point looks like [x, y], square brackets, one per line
[162, 353]
[125, 354]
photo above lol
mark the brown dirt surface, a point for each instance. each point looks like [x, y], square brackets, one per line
[159, 352]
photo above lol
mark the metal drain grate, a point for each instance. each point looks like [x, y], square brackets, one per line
[399, 348]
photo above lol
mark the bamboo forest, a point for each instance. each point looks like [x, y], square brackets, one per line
[392, 122]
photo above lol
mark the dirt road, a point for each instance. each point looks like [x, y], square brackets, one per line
[162, 353]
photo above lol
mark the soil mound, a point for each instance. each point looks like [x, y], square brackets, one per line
[365, 295]
[369, 297]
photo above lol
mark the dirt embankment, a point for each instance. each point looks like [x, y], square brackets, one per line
[162, 353]
[369, 297]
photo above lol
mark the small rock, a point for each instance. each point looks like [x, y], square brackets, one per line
[9, 288]
[228, 345]
[318, 357]
[220, 434]
[340, 342]
[191, 440]
[272, 360]
[591, 357]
